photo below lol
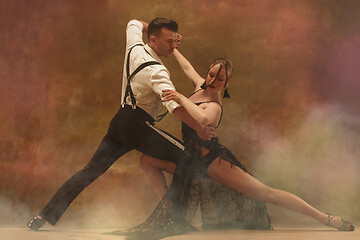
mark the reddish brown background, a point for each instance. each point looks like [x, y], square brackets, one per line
[293, 116]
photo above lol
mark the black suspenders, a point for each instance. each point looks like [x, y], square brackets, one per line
[128, 90]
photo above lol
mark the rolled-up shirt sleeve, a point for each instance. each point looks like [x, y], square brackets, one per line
[160, 80]
[134, 33]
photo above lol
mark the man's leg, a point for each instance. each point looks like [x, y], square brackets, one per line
[106, 154]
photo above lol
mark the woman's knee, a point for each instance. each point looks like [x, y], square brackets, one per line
[267, 194]
[272, 195]
[145, 162]
[149, 163]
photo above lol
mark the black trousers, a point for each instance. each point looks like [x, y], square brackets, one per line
[128, 130]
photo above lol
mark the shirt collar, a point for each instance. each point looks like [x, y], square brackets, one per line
[153, 54]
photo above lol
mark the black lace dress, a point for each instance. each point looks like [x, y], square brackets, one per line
[221, 207]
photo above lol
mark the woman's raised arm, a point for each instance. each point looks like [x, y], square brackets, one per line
[188, 69]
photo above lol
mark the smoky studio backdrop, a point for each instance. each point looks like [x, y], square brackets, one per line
[293, 117]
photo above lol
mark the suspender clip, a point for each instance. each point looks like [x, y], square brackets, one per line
[133, 107]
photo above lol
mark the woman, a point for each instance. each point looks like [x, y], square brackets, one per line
[210, 159]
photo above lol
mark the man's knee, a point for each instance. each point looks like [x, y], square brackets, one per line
[93, 170]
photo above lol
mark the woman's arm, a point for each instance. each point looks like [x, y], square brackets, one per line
[204, 116]
[188, 69]
[204, 132]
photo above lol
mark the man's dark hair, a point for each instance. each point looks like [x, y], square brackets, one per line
[157, 24]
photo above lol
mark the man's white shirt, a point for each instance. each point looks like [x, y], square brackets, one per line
[147, 85]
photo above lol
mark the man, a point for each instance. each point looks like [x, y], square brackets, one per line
[132, 126]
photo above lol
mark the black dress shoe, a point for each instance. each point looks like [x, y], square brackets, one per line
[35, 223]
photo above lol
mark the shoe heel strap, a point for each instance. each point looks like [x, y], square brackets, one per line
[330, 217]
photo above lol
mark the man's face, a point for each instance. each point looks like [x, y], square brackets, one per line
[164, 44]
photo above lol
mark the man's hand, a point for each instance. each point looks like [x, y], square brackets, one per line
[145, 26]
[207, 133]
[178, 40]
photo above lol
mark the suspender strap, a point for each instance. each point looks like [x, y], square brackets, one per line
[142, 66]
[128, 60]
[128, 90]
[161, 116]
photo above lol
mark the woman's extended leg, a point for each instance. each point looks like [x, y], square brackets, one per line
[237, 179]
[153, 169]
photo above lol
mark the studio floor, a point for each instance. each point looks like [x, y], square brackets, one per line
[14, 233]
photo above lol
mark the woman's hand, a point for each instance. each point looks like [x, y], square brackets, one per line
[178, 40]
[172, 95]
[206, 133]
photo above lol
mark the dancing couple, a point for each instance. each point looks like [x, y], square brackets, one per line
[206, 174]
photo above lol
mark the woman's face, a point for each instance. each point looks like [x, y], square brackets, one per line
[215, 80]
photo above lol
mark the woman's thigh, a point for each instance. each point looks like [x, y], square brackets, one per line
[165, 147]
[163, 165]
[237, 179]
